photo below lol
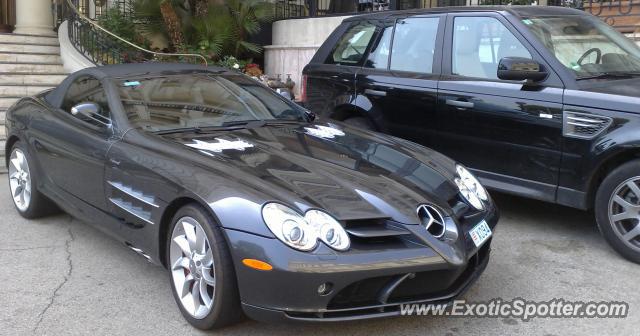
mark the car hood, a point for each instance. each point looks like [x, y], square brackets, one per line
[351, 173]
[619, 95]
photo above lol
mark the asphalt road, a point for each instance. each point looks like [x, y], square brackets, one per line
[60, 276]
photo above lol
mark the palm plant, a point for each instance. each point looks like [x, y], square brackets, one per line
[247, 15]
[212, 33]
[223, 28]
[148, 15]
[173, 24]
[201, 7]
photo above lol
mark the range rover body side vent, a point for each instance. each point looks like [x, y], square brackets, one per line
[583, 125]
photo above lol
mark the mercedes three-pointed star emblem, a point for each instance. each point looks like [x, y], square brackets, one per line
[432, 220]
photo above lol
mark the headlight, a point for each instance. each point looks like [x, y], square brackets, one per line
[302, 233]
[288, 226]
[470, 187]
[328, 229]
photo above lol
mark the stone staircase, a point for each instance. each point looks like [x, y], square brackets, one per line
[28, 65]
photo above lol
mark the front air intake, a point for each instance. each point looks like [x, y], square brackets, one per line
[583, 125]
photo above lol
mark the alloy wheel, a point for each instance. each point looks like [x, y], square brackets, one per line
[192, 267]
[624, 212]
[20, 179]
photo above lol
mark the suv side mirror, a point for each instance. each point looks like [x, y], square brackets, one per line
[90, 112]
[520, 68]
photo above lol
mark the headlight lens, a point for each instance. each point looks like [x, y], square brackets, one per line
[470, 187]
[328, 229]
[302, 233]
[289, 227]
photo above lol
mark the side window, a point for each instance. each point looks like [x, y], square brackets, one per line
[379, 55]
[413, 44]
[478, 45]
[353, 44]
[85, 90]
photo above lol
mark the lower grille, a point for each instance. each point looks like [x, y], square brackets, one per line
[423, 286]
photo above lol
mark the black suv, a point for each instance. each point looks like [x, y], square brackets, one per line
[541, 102]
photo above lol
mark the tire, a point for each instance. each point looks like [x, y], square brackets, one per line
[23, 185]
[360, 122]
[218, 277]
[617, 207]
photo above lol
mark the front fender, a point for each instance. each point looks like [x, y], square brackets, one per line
[584, 160]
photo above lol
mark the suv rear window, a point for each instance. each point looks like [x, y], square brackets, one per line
[351, 48]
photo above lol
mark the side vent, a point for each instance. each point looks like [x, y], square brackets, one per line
[583, 125]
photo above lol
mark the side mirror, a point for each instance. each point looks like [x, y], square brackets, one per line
[520, 68]
[90, 112]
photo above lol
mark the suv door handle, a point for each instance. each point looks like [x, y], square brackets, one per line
[375, 92]
[460, 104]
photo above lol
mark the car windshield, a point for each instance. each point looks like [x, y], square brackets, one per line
[201, 100]
[586, 45]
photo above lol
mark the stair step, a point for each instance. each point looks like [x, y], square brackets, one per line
[23, 47]
[3, 167]
[5, 103]
[31, 68]
[15, 57]
[3, 141]
[21, 90]
[34, 39]
[31, 79]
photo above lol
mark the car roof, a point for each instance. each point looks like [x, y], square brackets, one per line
[146, 69]
[131, 70]
[519, 11]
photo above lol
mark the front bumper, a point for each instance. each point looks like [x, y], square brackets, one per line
[371, 280]
[364, 312]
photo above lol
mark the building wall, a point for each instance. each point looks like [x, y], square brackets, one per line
[294, 42]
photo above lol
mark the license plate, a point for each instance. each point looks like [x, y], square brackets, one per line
[480, 233]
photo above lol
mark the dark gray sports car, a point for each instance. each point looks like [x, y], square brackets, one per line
[253, 206]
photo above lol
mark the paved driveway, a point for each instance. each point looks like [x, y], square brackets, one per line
[60, 276]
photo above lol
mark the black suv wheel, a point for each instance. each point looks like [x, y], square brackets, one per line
[617, 209]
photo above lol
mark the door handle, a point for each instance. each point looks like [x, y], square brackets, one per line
[375, 92]
[460, 104]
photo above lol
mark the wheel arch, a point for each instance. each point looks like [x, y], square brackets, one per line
[165, 222]
[605, 167]
[343, 112]
[7, 148]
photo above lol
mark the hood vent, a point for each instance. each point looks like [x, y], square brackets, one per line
[584, 125]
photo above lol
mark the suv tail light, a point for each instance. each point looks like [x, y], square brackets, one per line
[303, 89]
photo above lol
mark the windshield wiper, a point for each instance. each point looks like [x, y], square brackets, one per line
[228, 126]
[260, 123]
[604, 75]
[198, 130]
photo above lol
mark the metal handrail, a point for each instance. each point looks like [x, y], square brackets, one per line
[156, 53]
